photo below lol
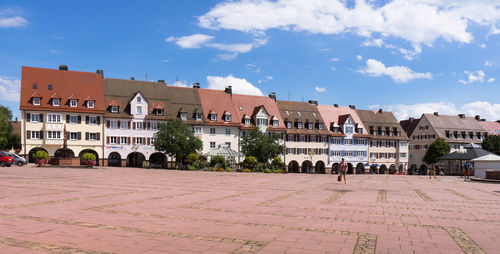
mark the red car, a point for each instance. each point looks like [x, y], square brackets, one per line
[6, 160]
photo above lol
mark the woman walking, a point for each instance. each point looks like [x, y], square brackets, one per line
[343, 170]
[432, 171]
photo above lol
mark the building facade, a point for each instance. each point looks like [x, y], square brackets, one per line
[306, 138]
[58, 102]
[458, 131]
[388, 147]
[492, 127]
[348, 138]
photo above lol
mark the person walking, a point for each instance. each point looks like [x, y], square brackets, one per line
[432, 171]
[343, 169]
[468, 168]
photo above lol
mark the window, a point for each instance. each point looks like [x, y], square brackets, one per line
[298, 113]
[154, 125]
[139, 99]
[112, 140]
[199, 117]
[362, 141]
[123, 125]
[35, 85]
[309, 126]
[90, 104]
[302, 138]
[383, 155]
[402, 155]
[114, 109]
[228, 131]
[36, 101]
[373, 143]
[35, 135]
[123, 140]
[212, 131]
[52, 118]
[159, 112]
[391, 144]
[213, 117]
[336, 141]
[212, 144]
[348, 141]
[336, 153]
[289, 125]
[139, 125]
[73, 119]
[361, 153]
[228, 144]
[227, 118]
[198, 130]
[286, 112]
[73, 135]
[138, 141]
[348, 129]
[113, 124]
[50, 87]
[403, 144]
[262, 122]
[35, 118]
[92, 119]
[56, 102]
[314, 115]
[299, 125]
[153, 140]
[349, 153]
[247, 122]
[73, 103]
[138, 110]
[320, 126]
[373, 155]
[324, 139]
[184, 116]
[53, 135]
[275, 123]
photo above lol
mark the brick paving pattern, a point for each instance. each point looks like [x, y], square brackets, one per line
[124, 210]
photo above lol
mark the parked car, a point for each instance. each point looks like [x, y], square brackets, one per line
[18, 160]
[5, 160]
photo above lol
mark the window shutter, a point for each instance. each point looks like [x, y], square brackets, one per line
[28, 117]
[355, 141]
[79, 136]
[86, 119]
[107, 124]
[149, 125]
[29, 135]
[41, 118]
[143, 141]
[149, 141]
[133, 126]
[133, 140]
[128, 124]
[67, 118]
[98, 120]
[41, 134]
[98, 136]
[342, 153]
[128, 139]
[79, 119]
[343, 143]
[355, 153]
[107, 140]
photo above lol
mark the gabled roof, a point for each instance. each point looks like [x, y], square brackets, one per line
[343, 118]
[308, 113]
[90, 98]
[55, 96]
[64, 83]
[114, 103]
[488, 157]
[469, 154]
[182, 110]
[338, 115]
[257, 109]
[36, 95]
[492, 127]
[218, 101]
[157, 105]
[72, 97]
[442, 123]
[409, 125]
[383, 120]
[246, 104]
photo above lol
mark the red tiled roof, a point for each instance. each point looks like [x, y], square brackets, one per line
[72, 97]
[116, 103]
[65, 84]
[158, 105]
[332, 114]
[248, 103]
[492, 127]
[214, 101]
[90, 98]
[55, 96]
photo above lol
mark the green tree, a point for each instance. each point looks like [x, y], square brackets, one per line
[175, 138]
[261, 146]
[436, 149]
[492, 143]
[6, 135]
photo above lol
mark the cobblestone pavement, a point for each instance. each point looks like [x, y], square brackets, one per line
[124, 210]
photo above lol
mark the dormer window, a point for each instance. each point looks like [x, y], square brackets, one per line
[247, 122]
[73, 103]
[139, 99]
[299, 125]
[213, 117]
[36, 101]
[289, 125]
[56, 102]
[35, 86]
[298, 113]
[227, 118]
[138, 109]
[183, 116]
[286, 112]
[320, 126]
[159, 112]
[275, 123]
[50, 87]
[90, 104]
[114, 109]
[262, 122]
[309, 126]
[199, 117]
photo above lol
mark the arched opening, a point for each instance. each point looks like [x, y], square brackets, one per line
[32, 152]
[60, 153]
[392, 169]
[320, 167]
[306, 166]
[383, 169]
[401, 169]
[374, 169]
[350, 168]
[114, 160]
[158, 160]
[423, 170]
[135, 160]
[413, 169]
[335, 168]
[82, 162]
[360, 168]
[293, 167]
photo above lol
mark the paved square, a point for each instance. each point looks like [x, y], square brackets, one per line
[124, 210]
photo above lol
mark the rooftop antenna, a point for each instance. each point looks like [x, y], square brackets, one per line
[288, 95]
[146, 76]
[302, 98]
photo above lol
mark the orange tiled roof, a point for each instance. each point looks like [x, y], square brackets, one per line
[214, 101]
[246, 104]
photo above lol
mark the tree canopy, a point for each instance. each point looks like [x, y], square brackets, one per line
[176, 139]
[261, 146]
[7, 138]
[492, 143]
[436, 149]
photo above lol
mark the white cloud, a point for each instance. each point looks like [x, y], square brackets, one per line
[190, 41]
[253, 67]
[333, 68]
[12, 17]
[400, 74]
[482, 45]
[9, 89]
[472, 77]
[165, 61]
[226, 57]
[359, 57]
[319, 89]
[488, 64]
[486, 110]
[54, 52]
[491, 80]
[269, 77]
[260, 81]
[416, 21]
[373, 43]
[240, 86]
[180, 83]
[240, 47]
[408, 54]
[335, 59]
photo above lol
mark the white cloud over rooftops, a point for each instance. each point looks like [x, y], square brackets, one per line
[400, 74]
[239, 85]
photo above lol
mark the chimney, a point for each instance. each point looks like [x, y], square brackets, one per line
[478, 117]
[161, 81]
[412, 119]
[196, 85]
[132, 78]
[352, 106]
[380, 110]
[16, 120]
[436, 113]
[63, 67]
[336, 105]
[229, 90]
[272, 96]
[461, 116]
[483, 120]
[313, 102]
[100, 72]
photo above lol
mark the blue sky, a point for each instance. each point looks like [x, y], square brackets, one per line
[407, 56]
